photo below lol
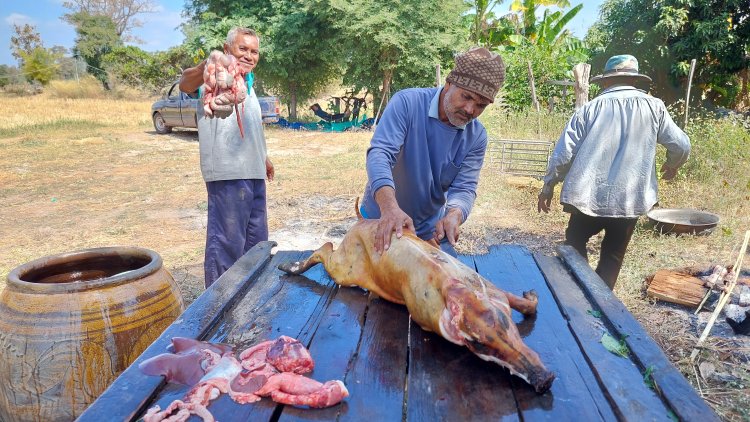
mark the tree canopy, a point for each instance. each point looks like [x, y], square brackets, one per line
[390, 45]
[40, 65]
[665, 35]
[25, 40]
[123, 13]
[96, 36]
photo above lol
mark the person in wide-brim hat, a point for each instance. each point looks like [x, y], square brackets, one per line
[622, 69]
[605, 159]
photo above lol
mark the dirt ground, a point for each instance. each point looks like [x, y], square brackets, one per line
[85, 186]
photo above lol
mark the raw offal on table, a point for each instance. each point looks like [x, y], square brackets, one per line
[272, 369]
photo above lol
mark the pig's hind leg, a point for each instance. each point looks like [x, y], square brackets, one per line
[321, 255]
[526, 304]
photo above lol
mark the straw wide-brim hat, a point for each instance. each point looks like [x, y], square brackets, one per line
[622, 68]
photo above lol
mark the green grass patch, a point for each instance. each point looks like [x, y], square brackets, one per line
[46, 127]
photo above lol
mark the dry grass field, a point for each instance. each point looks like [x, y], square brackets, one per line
[83, 173]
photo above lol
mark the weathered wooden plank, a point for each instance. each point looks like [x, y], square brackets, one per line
[447, 382]
[513, 269]
[276, 305]
[130, 393]
[622, 379]
[378, 372]
[674, 388]
[333, 346]
[280, 305]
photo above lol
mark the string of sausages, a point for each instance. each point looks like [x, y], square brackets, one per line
[223, 87]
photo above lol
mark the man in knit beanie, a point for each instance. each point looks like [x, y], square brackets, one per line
[424, 158]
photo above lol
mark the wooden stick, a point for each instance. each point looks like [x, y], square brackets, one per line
[697, 380]
[687, 94]
[724, 297]
[534, 102]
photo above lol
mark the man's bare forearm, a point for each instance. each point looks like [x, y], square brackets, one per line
[386, 198]
[192, 78]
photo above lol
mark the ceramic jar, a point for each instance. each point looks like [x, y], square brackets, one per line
[70, 323]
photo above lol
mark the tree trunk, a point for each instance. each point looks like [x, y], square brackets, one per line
[293, 101]
[743, 100]
[385, 93]
[581, 73]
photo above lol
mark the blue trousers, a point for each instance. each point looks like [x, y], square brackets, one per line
[237, 220]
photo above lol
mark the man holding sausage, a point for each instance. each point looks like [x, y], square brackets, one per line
[234, 167]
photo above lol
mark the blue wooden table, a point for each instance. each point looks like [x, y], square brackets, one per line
[396, 371]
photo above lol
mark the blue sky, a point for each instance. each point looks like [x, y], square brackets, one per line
[159, 29]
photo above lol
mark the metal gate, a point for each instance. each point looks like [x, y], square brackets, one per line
[520, 157]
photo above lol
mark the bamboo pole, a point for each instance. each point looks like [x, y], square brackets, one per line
[724, 297]
[687, 94]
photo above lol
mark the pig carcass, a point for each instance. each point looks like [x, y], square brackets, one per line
[442, 295]
[272, 369]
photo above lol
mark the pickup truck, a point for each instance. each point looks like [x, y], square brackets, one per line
[180, 109]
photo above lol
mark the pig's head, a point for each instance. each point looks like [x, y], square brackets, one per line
[470, 318]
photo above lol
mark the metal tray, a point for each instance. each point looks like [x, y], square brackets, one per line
[683, 221]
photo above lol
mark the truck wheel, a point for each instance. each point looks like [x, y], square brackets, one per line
[160, 125]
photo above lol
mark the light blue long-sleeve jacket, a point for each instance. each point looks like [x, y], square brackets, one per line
[605, 157]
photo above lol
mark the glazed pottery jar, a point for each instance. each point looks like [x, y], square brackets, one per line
[70, 323]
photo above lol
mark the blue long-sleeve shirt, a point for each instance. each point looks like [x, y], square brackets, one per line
[606, 154]
[431, 165]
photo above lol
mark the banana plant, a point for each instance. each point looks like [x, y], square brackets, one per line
[481, 21]
[520, 26]
[526, 9]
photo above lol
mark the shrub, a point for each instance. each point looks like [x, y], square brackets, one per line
[720, 150]
[22, 89]
[86, 87]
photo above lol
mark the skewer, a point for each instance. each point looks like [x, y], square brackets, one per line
[724, 297]
[718, 274]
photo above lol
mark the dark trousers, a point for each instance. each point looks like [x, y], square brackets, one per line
[617, 234]
[237, 220]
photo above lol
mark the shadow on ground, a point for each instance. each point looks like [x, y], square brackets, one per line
[183, 135]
